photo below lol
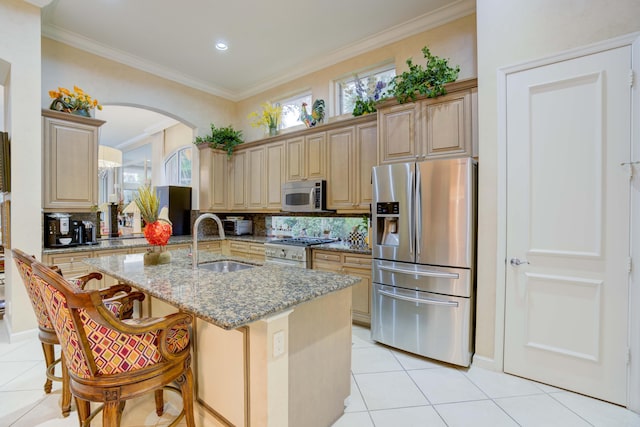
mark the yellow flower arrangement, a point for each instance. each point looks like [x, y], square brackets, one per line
[78, 100]
[270, 117]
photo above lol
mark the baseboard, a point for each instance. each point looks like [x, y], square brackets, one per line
[20, 336]
[485, 363]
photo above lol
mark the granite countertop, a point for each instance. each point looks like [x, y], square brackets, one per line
[343, 247]
[228, 300]
[128, 242]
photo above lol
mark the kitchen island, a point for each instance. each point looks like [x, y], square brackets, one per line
[271, 344]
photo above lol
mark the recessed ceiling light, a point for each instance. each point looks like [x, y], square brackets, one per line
[221, 46]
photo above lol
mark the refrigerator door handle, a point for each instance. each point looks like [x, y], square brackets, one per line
[421, 273]
[411, 217]
[418, 210]
[419, 300]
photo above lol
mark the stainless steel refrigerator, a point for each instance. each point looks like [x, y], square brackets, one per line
[424, 240]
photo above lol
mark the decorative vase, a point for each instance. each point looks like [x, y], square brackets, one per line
[157, 255]
[158, 232]
[273, 131]
[83, 112]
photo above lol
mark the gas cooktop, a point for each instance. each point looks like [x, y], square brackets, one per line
[302, 241]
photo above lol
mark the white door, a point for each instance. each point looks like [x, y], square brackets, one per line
[568, 130]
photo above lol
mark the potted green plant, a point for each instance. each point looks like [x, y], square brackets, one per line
[427, 81]
[224, 138]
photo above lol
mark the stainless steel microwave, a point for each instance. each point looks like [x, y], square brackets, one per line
[304, 196]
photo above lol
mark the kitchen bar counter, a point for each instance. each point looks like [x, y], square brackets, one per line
[136, 242]
[227, 300]
[271, 344]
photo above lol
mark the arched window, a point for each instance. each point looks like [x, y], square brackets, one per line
[177, 168]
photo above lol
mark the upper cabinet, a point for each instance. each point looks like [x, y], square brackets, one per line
[70, 165]
[306, 157]
[214, 177]
[351, 153]
[430, 127]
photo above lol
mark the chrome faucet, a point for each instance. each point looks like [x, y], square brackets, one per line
[196, 223]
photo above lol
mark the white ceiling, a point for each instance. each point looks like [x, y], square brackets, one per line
[270, 42]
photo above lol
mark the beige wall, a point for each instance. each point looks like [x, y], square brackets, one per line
[455, 40]
[115, 84]
[510, 33]
[20, 48]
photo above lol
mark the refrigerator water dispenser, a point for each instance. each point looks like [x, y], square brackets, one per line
[388, 215]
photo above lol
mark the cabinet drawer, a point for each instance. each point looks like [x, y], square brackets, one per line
[326, 256]
[357, 261]
[68, 258]
[238, 246]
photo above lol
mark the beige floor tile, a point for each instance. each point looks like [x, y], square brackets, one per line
[419, 416]
[389, 390]
[597, 412]
[481, 413]
[373, 359]
[446, 385]
[540, 410]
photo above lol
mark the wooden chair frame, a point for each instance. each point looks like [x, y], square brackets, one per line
[114, 389]
[48, 337]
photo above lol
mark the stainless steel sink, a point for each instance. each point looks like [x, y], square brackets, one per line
[225, 266]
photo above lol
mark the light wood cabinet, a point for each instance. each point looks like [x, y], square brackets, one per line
[306, 157]
[237, 180]
[431, 127]
[255, 178]
[214, 178]
[276, 174]
[351, 153]
[244, 249]
[70, 161]
[355, 265]
[264, 177]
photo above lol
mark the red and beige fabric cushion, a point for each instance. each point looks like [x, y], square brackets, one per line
[115, 352]
[34, 295]
[63, 325]
[113, 306]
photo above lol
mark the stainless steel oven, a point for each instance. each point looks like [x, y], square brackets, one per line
[304, 196]
[293, 252]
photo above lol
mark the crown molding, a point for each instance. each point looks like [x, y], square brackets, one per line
[414, 26]
[39, 3]
[80, 42]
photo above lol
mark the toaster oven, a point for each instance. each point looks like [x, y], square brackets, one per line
[237, 227]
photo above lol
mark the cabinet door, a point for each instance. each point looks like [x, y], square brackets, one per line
[360, 266]
[256, 182]
[219, 173]
[326, 261]
[398, 133]
[366, 149]
[447, 122]
[295, 159]
[237, 185]
[213, 176]
[341, 169]
[70, 154]
[276, 174]
[315, 156]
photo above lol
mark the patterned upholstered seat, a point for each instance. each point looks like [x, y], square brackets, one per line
[118, 299]
[110, 360]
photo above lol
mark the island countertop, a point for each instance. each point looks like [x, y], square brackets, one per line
[228, 300]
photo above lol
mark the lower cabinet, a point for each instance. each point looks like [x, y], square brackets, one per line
[353, 265]
[244, 249]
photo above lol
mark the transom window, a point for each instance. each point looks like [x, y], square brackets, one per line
[373, 83]
[292, 107]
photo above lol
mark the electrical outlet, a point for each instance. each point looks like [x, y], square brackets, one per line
[278, 343]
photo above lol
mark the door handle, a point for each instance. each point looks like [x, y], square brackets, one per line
[419, 300]
[516, 262]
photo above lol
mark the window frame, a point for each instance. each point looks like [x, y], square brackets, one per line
[177, 153]
[289, 100]
[362, 75]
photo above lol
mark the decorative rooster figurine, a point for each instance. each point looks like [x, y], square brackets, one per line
[316, 116]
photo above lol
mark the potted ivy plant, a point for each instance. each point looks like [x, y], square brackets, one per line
[428, 81]
[224, 138]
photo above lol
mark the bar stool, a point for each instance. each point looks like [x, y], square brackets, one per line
[111, 360]
[118, 298]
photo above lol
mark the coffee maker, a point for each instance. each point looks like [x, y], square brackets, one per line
[58, 230]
